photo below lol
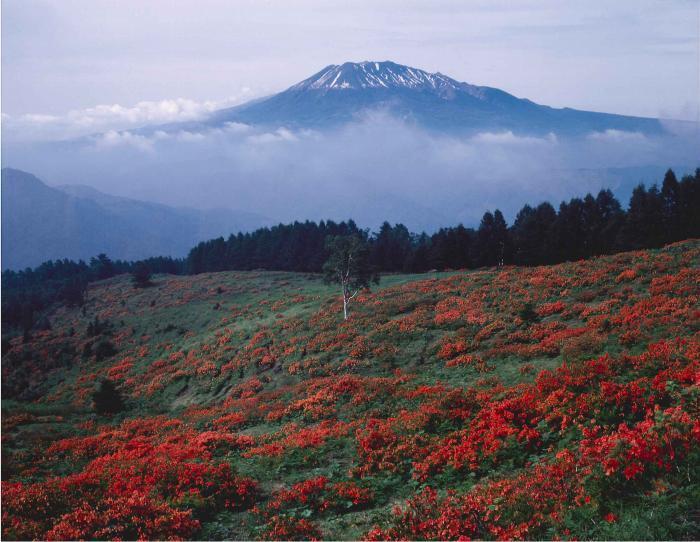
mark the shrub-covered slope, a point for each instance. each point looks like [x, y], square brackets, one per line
[502, 403]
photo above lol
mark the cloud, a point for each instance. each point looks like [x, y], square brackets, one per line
[509, 138]
[229, 133]
[235, 127]
[281, 134]
[179, 109]
[125, 138]
[617, 136]
[376, 168]
[39, 119]
[105, 118]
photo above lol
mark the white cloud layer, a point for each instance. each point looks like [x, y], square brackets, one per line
[616, 136]
[374, 169]
[105, 118]
[509, 138]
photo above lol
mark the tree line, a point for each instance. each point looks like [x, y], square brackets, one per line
[26, 293]
[579, 228]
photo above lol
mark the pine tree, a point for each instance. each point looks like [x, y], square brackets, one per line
[107, 399]
[533, 235]
[611, 219]
[141, 276]
[689, 203]
[670, 192]
[492, 240]
[102, 267]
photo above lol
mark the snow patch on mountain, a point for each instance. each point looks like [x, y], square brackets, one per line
[383, 75]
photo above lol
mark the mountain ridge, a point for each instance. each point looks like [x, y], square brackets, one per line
[79, 222]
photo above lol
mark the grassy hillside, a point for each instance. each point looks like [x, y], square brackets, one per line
[504, 403]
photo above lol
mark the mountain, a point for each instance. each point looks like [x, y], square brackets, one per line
[370, 171]
[40, 223]
[340, 93]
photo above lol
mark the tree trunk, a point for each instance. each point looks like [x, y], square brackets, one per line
[346, 299]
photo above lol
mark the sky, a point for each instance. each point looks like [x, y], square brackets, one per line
[98, 62]
[79, 77]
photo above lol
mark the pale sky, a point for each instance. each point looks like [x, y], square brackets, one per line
[632, 57]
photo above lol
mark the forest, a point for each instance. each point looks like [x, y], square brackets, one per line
[540, 235]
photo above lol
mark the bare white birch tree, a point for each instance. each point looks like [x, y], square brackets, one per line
[348, 265]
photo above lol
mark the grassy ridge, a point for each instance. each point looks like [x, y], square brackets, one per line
[254, 411]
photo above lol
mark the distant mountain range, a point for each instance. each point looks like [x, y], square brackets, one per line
[40, 223]
[340, 93]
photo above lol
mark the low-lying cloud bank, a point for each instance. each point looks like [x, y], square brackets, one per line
[373, 169]
[109, 117]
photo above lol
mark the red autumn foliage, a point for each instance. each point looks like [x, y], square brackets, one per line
[589, 404]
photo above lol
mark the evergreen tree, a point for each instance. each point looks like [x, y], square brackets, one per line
[570, 231]
[141, 276]
[107, 399]
[102, 267]
[491, 240]
[461, 243]
[689, 203]
[501, 237]
[610, 219]
[419, 258]
[644, 226]
[74, 291]
[671, 194]
[105, 349]
[533, 235]
[391, 248]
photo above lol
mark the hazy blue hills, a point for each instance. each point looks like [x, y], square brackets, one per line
[40, 222]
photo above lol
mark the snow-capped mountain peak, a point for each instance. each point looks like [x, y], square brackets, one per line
[380, 75]
[342, 93]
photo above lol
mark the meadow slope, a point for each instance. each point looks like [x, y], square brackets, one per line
[530, 403]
